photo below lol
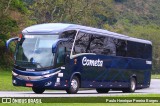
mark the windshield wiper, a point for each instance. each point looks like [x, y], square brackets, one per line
[34, 63]
[38, 64]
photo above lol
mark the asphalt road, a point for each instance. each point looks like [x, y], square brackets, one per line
[153, 89]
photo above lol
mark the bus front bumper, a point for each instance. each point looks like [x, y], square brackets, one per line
[47, 82]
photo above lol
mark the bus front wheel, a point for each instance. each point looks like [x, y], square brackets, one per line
[74, 86]
[132, 86]
[102, 90]
[38, 90]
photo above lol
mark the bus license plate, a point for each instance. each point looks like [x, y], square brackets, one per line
[29, 85]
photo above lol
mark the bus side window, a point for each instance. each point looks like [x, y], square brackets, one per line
[70, 35]
[121, 49]
[147, 53]
[109, 47]
[81, 43]
[96, 43]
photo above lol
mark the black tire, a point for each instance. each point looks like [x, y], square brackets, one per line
[74, 86]
[132, 86]
[38, 90]
[102, 90]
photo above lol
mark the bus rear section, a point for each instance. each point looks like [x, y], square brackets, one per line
[112, 63]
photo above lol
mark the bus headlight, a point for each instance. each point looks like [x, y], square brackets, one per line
[49, 75]
[14, 74]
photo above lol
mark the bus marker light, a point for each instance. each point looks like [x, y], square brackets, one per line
[62, 68]
[60, 74]
[58, 80]
[20, 36]
[57, 84]
[75, 61]
[149, 62]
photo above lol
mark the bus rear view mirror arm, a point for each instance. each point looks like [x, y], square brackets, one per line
[10, 40]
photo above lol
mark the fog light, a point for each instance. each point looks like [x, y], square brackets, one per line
[48, 83]
[14, 82]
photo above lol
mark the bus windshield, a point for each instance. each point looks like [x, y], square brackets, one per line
[35, 51]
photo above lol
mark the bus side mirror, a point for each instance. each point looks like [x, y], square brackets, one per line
[9, 41]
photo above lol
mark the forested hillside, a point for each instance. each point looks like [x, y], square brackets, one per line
[137, 18]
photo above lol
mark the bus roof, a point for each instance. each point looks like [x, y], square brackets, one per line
[56, 28]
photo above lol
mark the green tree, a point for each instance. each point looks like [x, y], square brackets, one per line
[86, 12]
[13, 17]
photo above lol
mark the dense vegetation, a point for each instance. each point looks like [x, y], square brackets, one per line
[137, 18]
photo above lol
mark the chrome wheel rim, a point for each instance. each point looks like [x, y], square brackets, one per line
[133, 85]
[74, 84]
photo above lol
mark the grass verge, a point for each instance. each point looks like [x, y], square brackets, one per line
[87, 104]
[155, 76]
[6, 82]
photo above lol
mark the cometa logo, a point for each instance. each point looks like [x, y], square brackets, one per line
[88, 62]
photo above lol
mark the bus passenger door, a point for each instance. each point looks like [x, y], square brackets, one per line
[60, 56]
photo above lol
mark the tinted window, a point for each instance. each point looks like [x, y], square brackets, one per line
[121, 48]
[109, 47]
[90, 43]
[135, 49]
[95, 44]
[147, 52]
[70, 35]
[81, 43]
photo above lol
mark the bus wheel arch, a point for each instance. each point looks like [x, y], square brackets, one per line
[78, 75]
[74, 84]
[135, 78]
[38, 90]
[132, 85]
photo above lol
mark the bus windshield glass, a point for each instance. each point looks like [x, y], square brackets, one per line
[35, 51]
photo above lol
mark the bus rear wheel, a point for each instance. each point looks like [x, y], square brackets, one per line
[38, 90]
[132, 86]
[102, 90]
[74, 86]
